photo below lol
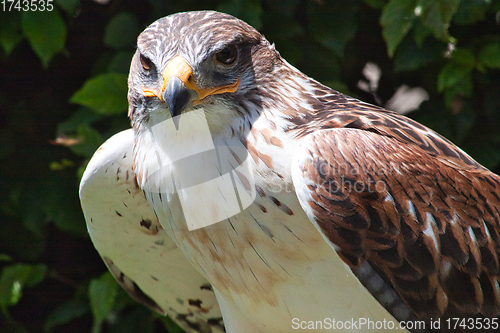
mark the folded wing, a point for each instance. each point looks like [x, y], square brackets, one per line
[141, 256]
[427, 222]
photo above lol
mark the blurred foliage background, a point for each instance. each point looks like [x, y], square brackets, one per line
[63, 92]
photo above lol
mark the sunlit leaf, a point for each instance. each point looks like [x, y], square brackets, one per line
[106, 94]
[396, 20]
[15, 277]
[46, 33]
[63, 164]
[437, 14]
[102, 294]
[456, 70]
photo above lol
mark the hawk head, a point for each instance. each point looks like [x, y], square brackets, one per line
[199, 59]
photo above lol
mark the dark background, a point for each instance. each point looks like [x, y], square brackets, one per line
[63, 92]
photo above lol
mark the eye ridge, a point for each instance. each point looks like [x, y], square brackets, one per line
[228, 55]
[146, 63]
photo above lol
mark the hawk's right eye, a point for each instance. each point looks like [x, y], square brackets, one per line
[228, 55]
[146, 63]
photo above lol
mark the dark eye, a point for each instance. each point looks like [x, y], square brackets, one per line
[146, 63]
[228, 55]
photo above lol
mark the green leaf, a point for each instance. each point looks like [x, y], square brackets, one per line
[471, 11]
[65, 313]
[90, 139]
[447, 9]
[461, 88]
[490, 55]
[437, 14]
[46, 33]
[455, 78]
[170, 325]
[10, 31]
[121, 31]
[333, 24]
[123, 300]
[23, 243]
[105, 94]
[465, 57]
[140, 319]
[102, 294]
[411, 56]
[120, 63]
[5, 257]
[15, 277]
[81, 116]
[397, 19]
[456, 70]
[420, 32]
[61, 206]
[37, 274]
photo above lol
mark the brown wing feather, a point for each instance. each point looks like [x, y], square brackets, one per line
[427, 219]
[331, 109]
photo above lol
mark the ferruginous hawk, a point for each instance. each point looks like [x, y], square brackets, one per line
[250, 191]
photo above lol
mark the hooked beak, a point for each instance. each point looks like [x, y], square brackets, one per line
[179, 90]
[177, 96]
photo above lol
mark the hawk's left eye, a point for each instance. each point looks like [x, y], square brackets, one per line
[227, 56]
[146, 63]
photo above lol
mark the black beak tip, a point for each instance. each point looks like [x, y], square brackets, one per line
[176, 95]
